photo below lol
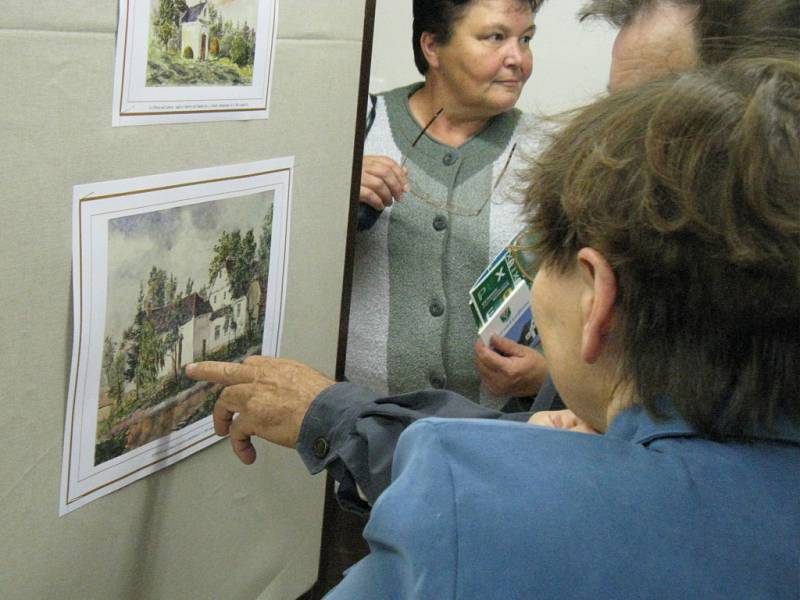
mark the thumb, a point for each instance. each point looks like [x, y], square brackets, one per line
[505, 346]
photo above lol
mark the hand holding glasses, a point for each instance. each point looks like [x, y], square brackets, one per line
[440, 204]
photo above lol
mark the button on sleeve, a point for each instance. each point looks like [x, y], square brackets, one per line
[320, 447]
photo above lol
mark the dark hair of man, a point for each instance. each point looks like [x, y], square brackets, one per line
[689, 187]
[724, 27]
[438, 18]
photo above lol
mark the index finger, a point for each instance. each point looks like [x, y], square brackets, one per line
[372, 161]
[221, 372]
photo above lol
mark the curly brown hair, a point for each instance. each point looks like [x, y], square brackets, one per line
[690, 187]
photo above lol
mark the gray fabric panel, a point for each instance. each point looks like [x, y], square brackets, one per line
[207, 527]
[329, 19]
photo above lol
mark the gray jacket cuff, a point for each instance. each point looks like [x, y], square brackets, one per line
[328, 422]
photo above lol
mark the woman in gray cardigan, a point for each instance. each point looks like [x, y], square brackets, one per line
[445, 150]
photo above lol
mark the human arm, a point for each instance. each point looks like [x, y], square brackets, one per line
[368, 214]
[359, 430]
[508, 368]
[265, 397]
[345, 428]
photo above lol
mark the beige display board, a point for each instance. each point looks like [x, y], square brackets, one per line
[207, 527]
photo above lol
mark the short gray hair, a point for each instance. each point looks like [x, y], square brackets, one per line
[724, 27]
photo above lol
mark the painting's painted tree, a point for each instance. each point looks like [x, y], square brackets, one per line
[156, 288]
[167, 19]
[145, 349]
[265, 242]
[151, 354]
[131, 338]
[165, 22]
[171, 289]
[238, 255]
[109, 348]
[113, 370]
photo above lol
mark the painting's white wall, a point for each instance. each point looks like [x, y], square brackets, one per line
[202, 333]
[187, 330]
[240, 315]
[192, 35]
[219, 335]
[220, 288]
[253, 299]
[571, 59]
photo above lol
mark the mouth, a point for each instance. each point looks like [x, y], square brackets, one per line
[509, 82]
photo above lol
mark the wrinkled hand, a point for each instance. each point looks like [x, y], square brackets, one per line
[382, 181]
[508, 368]
[561, 419]
[270, 395]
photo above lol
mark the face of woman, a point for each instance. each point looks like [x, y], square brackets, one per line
[488, 58]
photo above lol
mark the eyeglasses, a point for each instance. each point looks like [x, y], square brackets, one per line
[443, 204]
[522, 251]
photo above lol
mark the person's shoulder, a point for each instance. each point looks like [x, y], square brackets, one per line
[386, 109]
[398, 93]
[464, 434]
[475, 449]
[536, 462]
[518, 498]
[533, 130]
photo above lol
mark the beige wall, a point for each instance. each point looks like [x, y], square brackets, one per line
[207, 527]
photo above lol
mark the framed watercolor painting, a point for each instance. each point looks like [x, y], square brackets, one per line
[167, 270]
[183, 61]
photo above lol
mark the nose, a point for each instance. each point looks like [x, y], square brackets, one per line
[514, 54]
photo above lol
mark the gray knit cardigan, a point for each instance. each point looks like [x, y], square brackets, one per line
[410, 323]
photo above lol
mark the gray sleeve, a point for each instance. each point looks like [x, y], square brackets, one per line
[352, 432]
[547, 398]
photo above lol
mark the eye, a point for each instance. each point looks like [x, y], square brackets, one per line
[496, 37]
[527, 39]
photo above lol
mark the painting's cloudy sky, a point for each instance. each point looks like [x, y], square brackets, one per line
[178, 240]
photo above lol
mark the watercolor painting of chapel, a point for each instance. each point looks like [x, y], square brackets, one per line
[208, 43]
[184, 284]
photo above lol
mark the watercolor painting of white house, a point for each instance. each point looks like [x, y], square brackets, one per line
[212, 42]
[184, 284]
[170, 270]
[193, 60]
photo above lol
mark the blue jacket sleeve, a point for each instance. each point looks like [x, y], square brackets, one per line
[412, 529]
[352, 432]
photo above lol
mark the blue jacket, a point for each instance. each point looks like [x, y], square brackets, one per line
[648, 510]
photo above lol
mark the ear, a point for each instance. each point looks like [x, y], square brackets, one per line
[430, 48]
[597, 302]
